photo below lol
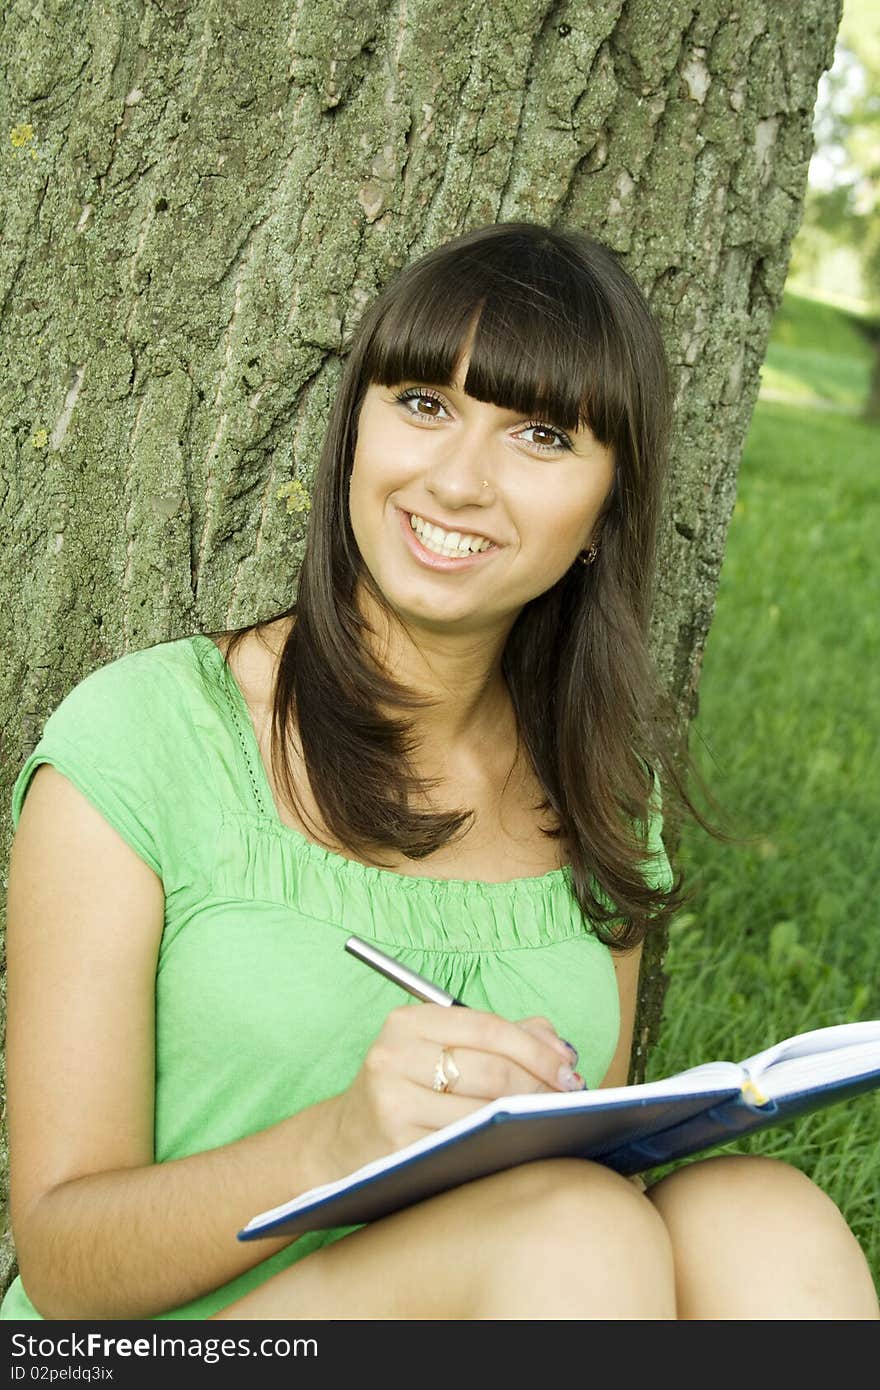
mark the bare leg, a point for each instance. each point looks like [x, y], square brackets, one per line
[559, 1239]
[754, 1238]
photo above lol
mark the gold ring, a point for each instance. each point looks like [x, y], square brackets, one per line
[446, 1073]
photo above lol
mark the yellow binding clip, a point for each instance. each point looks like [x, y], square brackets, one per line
[751, 1092]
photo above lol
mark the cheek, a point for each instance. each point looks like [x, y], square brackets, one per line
[562, 520]
[377, 462]
[372, 479]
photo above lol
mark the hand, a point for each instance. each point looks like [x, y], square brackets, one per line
[391, 1101]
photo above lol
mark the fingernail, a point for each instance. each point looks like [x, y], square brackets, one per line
[567, 1050]
[569, 1079]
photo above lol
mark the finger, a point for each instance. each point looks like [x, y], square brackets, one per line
[482, 1076]
[481, 1032]
[429, 1111]
[543, 1028]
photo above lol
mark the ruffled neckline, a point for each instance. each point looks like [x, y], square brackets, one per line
[243, 723]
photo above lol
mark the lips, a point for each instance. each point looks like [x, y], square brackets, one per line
[435, 561]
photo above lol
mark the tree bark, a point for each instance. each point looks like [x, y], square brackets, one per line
[200, 197]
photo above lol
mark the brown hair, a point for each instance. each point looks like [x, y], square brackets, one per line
[563, 334]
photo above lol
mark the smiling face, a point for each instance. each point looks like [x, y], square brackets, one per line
[425, 450]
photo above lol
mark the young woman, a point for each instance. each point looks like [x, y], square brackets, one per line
[450, 744]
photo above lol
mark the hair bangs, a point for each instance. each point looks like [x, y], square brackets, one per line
[539, 341]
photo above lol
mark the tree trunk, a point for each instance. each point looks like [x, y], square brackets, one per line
[200, 198]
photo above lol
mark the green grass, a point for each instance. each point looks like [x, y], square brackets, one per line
[783, 931]
[817, 353]
[814, 326]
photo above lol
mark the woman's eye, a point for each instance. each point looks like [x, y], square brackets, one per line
[413, 394]
[559, 440]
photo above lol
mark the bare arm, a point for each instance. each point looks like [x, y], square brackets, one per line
[626, 968]
[100, 1230]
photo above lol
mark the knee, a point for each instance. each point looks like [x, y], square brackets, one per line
[579, 1213]
[738, 1195]
[740, 1184]
[751, 1234]
[562, 1189]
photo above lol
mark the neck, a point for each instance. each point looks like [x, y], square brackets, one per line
[470, 722]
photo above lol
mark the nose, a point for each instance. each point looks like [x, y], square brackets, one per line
[460, 471]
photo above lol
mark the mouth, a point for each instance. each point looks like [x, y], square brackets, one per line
[460, 538]
[441, 549]
[448, 528]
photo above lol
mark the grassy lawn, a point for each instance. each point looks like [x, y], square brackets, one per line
[817, 354]
[783, 930]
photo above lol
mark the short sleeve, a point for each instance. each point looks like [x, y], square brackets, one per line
[102, 738]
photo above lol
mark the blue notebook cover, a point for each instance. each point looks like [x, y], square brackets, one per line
[628, 1128]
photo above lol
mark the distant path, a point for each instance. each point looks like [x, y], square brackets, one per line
[807, 402]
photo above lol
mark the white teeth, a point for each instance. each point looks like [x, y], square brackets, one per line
[449, 543]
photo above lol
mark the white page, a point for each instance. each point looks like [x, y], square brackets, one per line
[795, 1074]
[814, 1043]
[706, 1077]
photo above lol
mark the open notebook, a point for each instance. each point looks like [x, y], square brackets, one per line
[629, 1128]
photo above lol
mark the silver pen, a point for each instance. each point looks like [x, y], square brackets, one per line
[401, 975]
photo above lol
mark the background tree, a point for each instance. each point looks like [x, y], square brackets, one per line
[201, 196]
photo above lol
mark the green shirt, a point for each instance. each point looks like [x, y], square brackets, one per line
[259, 1010]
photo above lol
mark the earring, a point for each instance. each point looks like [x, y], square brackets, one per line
[484, 484]
[588, 557]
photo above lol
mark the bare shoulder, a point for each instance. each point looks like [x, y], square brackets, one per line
[62, 839]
